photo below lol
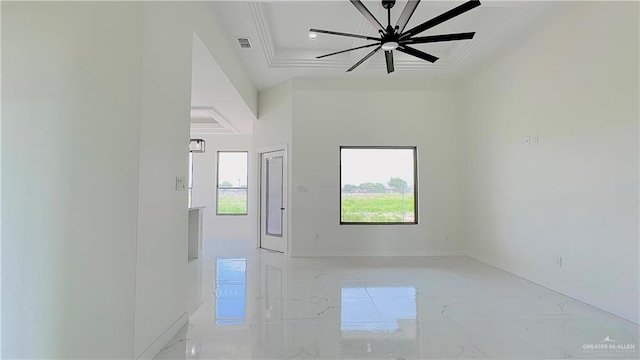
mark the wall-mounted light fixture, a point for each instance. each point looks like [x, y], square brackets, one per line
[196, 146]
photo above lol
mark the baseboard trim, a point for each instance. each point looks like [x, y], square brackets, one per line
[387, 254]
[565, 292]
[162, 340]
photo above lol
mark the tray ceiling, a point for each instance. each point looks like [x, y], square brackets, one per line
[282, 49]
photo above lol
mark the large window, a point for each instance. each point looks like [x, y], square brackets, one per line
[232, 183]
[378, 185]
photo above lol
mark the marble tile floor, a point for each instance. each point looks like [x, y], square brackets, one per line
[251, 304]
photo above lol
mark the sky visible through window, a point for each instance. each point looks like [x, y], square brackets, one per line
[376, 165]
[232, 168]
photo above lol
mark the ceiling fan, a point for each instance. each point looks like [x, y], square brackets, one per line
[395, 38]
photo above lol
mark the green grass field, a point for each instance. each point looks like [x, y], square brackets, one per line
[355, 207]
[232, 204]
[377, 208]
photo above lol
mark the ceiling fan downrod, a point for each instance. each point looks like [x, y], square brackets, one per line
[388, 4]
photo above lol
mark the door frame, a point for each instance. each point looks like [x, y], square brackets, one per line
[258, 161]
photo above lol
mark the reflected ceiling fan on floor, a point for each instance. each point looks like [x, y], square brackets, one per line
[395, 38]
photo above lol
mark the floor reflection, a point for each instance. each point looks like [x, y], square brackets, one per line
[372, 316]
[395, 306]
[231, 291]
[259, 305]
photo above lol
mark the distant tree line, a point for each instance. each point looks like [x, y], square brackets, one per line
[393, 185]
[226, 184]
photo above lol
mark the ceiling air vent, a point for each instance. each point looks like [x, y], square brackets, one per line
[244, 42]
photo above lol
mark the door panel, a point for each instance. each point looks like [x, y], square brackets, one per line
[273, 201]
[274, 195]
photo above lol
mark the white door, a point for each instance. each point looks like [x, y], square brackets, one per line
[273, 201]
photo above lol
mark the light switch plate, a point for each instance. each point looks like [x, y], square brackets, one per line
[535, 140]
[181, 184]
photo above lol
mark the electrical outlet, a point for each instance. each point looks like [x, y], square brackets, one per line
[559, 261]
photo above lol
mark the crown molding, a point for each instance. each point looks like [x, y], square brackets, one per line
[221, 125]
[450, 61]
[264, 34]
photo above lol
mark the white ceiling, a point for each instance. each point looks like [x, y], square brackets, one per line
[282, 49]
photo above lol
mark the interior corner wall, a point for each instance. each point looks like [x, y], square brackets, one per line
[70, 143]
[334, 112]
[161, 270]
[274, 127]
[223, 227]
[574, 195]
[204, 22]
[275, 116]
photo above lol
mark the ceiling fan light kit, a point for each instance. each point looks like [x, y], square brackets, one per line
[395, 38]
[390, 46]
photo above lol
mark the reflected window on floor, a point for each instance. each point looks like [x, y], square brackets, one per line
[363, 308]
[231, 291]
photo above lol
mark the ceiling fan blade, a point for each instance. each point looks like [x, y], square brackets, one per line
[417, 53]
[343, 34]
[367, 14]
[438, 38]
[388, 55]
[406, 14]
[343, 51]
[365, 58]
[441, 18]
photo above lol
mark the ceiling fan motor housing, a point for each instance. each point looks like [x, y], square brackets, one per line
[388, 4]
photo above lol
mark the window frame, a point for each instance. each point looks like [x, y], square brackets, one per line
[415, 183]
[218, 188]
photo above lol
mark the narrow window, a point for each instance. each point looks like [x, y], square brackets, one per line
[378, 185]
[232, 183]
[190, 178]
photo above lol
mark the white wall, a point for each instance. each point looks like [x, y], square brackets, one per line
[93, 139]
[222, 227]
[274, 116]
[161, 269]
[575, 195]
[331, 113]
[70, 143]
